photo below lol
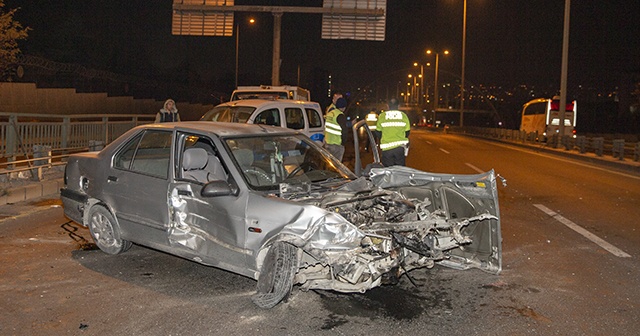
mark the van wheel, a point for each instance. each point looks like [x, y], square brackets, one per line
[105, 232]
[276, 277]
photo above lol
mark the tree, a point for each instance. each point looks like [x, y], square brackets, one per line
[10, 32]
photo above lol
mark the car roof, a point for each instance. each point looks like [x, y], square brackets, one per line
[264, 102]
[221, 129]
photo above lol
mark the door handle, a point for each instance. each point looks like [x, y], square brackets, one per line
[112, 179]
[184, 193]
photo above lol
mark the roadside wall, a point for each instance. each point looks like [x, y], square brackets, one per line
[27, 98]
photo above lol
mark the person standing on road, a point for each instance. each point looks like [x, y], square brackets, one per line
[336, 96]
[168, 112]
[335, 129]
[392, 128]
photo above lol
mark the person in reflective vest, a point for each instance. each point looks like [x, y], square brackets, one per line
[168, 112]
[336, 95]
[392, 128]
[335, 129]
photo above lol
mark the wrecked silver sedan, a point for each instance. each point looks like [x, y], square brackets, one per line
[270, 204]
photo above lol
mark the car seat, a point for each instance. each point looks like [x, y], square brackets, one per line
[200, 166]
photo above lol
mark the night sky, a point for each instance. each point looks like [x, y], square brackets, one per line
[509, 42]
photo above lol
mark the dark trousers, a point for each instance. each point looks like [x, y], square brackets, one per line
[393, 157]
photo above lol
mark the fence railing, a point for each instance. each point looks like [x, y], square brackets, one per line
[29, 141]
[600, 146]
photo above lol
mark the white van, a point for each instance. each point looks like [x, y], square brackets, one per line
[304, 116]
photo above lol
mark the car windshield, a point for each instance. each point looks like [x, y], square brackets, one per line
[268, 161]
[237, 114]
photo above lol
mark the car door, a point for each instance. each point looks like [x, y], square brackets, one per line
[136, 186]
[211, 229]
[364, 147]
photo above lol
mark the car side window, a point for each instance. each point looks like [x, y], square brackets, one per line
[148, 154]
[295, 119]
[315, 119]
[268, 117]
[200, 160]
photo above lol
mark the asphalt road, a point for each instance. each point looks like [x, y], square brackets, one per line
[570, 267]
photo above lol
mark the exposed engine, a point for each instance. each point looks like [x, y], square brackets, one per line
[402, 234]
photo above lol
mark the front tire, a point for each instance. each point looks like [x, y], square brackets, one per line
[105, 232]
[276, 277]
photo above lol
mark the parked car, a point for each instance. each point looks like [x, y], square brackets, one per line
[271, 204]
[304, 116]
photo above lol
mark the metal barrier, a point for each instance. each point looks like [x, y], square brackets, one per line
[600, 146]
[618, 149]
[27, 140]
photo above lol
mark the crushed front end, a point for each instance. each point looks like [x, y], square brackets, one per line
[398, 219]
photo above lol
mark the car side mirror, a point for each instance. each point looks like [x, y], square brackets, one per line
[217, 188]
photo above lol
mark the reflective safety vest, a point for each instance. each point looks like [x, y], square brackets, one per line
[332, 130]
[393, 126]
[372, 120]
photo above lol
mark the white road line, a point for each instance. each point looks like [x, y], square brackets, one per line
[577, 228]
[474, 168]
[444, 150]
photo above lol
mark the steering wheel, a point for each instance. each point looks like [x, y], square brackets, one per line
[261, 176]
[302, 166]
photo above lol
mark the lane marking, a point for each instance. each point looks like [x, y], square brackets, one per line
[474, 168]
[444, 150]
[577, 228]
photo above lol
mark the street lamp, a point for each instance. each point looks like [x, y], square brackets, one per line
[414, 89]
[251, 21]
[421, 81]
[435, 82]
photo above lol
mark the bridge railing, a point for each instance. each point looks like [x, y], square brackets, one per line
[28, 142]
[600, 146]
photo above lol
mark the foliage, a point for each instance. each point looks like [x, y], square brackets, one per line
[10, 32]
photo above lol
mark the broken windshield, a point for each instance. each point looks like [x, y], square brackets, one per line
[267, 161]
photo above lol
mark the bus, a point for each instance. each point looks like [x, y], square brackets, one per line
[542, 116]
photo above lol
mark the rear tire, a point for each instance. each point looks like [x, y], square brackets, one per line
[276, 277]
[105, 232]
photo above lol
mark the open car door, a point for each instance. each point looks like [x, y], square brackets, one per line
[366, 151]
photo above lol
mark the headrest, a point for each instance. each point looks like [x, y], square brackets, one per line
[244, 157]
[194, 158]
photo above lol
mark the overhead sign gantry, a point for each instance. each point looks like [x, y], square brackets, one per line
[341, 19]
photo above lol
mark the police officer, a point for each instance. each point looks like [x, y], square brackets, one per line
[392, 128]
[335, 129]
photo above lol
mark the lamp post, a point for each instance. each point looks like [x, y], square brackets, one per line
[414, 89]
[464, 39]
[251, 20]
[435, 81]
[421, 81]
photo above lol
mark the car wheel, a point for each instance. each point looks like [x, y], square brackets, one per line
[276, 277]
[105, 232]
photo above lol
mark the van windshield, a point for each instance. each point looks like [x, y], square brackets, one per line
[236, 114]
